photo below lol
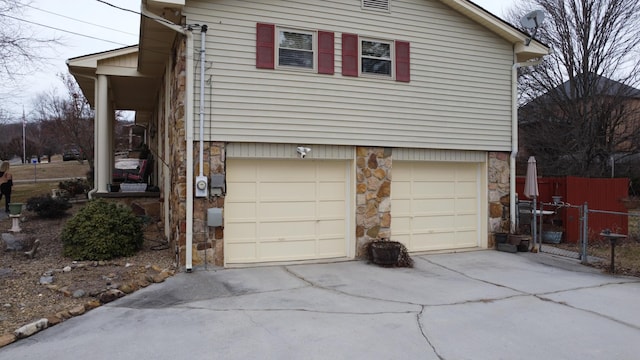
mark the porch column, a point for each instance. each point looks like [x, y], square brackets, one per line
[102, 135]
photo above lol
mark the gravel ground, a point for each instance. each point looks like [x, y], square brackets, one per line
[23, 299]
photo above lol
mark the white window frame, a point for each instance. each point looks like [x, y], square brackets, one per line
[314, 49]
[392, 58]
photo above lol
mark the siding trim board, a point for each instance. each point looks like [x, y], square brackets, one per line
[288, 151]
[401, 154]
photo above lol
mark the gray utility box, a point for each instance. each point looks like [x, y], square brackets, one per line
[214, 217]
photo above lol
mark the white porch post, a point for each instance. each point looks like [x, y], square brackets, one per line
[102, 135]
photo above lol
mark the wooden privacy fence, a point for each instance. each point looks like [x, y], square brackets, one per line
[600, 193]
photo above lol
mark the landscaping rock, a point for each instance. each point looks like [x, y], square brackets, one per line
[79, 293]
[110, 295]
[78, 310]
[32, 328]
[46, 280]
[13, 242]
[7, 339]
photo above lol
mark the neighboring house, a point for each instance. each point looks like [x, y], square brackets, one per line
[578, 126]
[405, 110]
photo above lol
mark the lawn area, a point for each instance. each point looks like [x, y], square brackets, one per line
[627, 256]
[31, 180]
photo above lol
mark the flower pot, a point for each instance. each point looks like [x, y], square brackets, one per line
[501, 238]
[551, 237]
[385, 253]
[15, 208]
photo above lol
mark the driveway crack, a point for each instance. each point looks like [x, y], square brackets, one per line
[424, 334]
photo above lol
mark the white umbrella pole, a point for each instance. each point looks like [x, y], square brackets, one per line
[535, 222]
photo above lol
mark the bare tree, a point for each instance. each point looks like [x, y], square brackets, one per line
[67, 119]
[582, 108]
[19, 45]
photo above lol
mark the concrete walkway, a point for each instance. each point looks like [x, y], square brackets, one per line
[476, 305]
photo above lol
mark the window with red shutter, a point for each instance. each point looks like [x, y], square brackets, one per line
[326, 52]
[403, 61]
[350, 55]
[265, 46]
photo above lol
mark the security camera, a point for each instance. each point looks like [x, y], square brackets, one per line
[302, 151]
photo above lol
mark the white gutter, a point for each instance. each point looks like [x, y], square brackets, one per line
[188, 103]
[514, 137]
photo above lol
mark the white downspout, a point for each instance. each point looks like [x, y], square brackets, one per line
[514, 137]
[203, 33]
[188, 103]
[95, 135]
[189, 137]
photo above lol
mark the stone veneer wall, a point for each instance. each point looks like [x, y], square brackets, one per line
[177, 150]
[498, 183]
[207, 241]
[373, 195]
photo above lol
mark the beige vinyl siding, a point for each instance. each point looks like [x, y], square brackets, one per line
[458, 97]
[287, 151]
[439, 155]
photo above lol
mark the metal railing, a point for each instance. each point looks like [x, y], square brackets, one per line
[583, 241]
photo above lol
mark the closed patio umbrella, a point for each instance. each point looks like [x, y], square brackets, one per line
[531, 191]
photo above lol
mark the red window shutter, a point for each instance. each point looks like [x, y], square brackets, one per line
[350, 54]
[325, 52]
[265, 46]
[403, 61]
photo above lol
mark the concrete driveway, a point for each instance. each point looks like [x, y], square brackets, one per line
[475, 305]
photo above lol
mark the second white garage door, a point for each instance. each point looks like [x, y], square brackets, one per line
[285, 210]
[435, 205]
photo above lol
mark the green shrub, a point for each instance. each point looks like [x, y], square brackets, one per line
[47, 207]
[102, 231]
[75, 187]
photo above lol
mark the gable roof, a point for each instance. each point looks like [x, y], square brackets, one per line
[602, 85]
[501, 28]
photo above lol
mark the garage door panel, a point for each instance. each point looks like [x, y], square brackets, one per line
[440, 189]
[299, 210]
[432, 241]
[287, 191]
[286, 171]
[331, 190]
[242, 210]
[401, 189]
[331, 227]
[401, 206]
[332, 171]
[241, 251]
[331, 209]
[290, 210]
[433, 222]
[283, 250]
[286, 230]
[331, 247]
[435, 205]
[242, 230]
[245, 191]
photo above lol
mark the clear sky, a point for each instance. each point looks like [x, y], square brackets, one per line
[89, 26]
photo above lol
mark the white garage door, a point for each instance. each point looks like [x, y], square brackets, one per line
[285, 210]
[435, 205]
